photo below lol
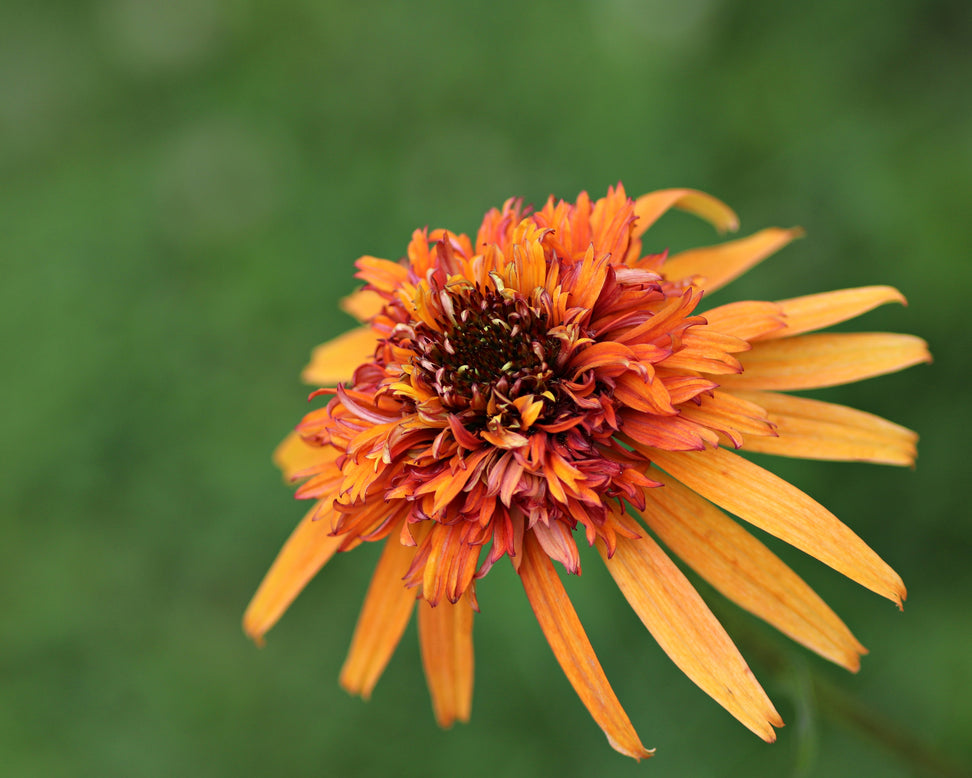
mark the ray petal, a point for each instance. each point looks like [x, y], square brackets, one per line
[294, 456]
[745, 571]
[816, 311]
[812, 429]
[445, 634]
[816, 361]
[650, 207]
[573, 650]
[387, 609]
[306, 551]
[686, 630]
[362, 304]
[715, 266]
[335, 361]
[772, 504]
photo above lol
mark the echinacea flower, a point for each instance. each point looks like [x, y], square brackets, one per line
[551, 382]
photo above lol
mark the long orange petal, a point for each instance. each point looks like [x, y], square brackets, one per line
[306, 551]
[816, 311]
[811, 429]
[772, 504]
[648, 208]
[363, 304]
[745, 571]
[387, 609]
[718, 265]
[445, 633]
[573, 650]
[335, 361]
[816, 361]
[686, 630]
[293, 455]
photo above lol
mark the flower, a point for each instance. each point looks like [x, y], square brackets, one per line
[552, 382]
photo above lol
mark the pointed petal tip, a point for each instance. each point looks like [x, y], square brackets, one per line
[638, 753]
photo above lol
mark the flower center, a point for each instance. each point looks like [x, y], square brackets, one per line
[491, 346]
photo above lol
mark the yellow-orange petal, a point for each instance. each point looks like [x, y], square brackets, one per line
[745, 571]
[384, 616]
[749, 319]
[362, 304]
[306, 551]
[816, 361]
[713, 267]
[811, 429]
[816, 311]
[650, 207]
[573, 650]
[686, 630]
[772, 504]
[445, 634]
[334, 362]
[294, 456]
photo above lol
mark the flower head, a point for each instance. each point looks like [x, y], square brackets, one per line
[552, 382]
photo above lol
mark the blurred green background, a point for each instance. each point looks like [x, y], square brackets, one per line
[183, 188]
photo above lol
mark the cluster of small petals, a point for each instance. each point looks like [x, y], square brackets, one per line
[513, 395]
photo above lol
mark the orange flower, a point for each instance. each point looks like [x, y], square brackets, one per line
[551, 380]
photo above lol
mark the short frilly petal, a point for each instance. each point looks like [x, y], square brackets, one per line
[573, 650]
[650, 207]
[306, 551]
[686, 630]
[445, 636]
[387, 609]
[334, 362]
[812, 429]
[770, 503]
[713, 267]
[745, 571]
[831, 359]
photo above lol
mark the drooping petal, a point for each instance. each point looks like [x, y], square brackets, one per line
[816, 311]
[573, 650]
[811, 429]
[445, 636]
[716, 266]
[772, 504]
[648, 208]
[306, 551]
[387, 609]
[745, 571]
[335, 361]
[294, 456]
[686, 630]
[363, 304]
[817, 361]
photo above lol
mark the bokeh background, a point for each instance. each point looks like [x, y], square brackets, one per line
[185, 185]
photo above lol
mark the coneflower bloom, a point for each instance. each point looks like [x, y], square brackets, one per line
[551, 383]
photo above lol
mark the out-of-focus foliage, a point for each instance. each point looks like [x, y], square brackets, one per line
[183, 188]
